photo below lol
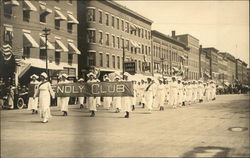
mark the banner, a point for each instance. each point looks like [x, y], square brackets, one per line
[95, 89]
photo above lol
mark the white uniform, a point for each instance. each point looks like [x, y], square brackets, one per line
[160, 95]
[98, 99]
[208, 92]
[44, 92]
[194, 89]
[189, 93]
[200, 91]
[149, 93]
[134, 99]
[64, 101]
[91, 101]
[184, 99]
[33, 103]
[213, 91]
[107, 102]
[126, 103]
[180, 94]
[142, 93]
[173, 94]
[167, 92]
[117, 102]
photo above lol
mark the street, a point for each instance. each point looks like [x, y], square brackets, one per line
[199, 130]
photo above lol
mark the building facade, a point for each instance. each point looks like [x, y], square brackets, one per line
[244, 73]
[222, 70]
[231, 67]
[106, 29]
[248, 76]
[22, 25]
[204, 65]
[239, 70]
[193, 54]
[170, 56]
[212, 55]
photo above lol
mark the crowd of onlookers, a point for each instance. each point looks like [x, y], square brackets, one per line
[233, 89]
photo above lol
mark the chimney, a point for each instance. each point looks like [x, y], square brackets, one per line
[173, 34]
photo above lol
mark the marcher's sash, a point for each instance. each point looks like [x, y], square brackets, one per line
[95, 89]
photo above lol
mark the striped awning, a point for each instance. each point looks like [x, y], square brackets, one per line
[73, 49]
[27, 5]
[11, 2]
[28, 41]
[72, 19]
[43, 42]
[60, 47]
[6, 50]
[59, 15]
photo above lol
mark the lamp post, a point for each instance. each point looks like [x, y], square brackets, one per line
[46, 33]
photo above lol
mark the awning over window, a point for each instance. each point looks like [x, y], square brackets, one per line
[11, 2]
[45, 9]
[60, 47]
[134, 44]
[207, 74]
[183, 57]
[72, 19]
[28, 41]
[132, 27]
[73, 49]
[175, 69]
[43, 42]
[38, 63]
[27, 5]
[59, 15]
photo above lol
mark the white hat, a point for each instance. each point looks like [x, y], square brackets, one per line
[44, 75]
[161, 79]
[60, 76]
[117, 77]
[91, 74]
[126, 74]
[64, 75]
[107, 79]
[81, 79]
[34, 75]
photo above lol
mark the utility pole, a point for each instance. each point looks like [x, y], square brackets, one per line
[46, 33]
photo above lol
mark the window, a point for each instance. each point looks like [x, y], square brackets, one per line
[122, 25]
[149, 36]
[57, 24]
[118, 62]
[42, 54]
[100, 17]
[139, 63]
[57, 57]
[127, 45]
[113, 60]
[113, 21]
[101, 59]
[70, 58]
[146, 50]
[146, 34]
[107, 60]
[118, 42]
[91, 36]
[132, 49]
[142, 49]
[26, 15]
[91, 14]
[142, 33]
[135, 65]
[117, 23]
[107, 19]
[107, 39]
[127, 27]
[100, 37]
[8, 35]
[43, 18]
[26, 52]
[7, 10]
[70, 27]
[113, 41]
[149, 51]
[91, 58]
[139, 32]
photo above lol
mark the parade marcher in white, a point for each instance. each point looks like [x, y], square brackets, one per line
[208, 91]
[64, 102]
[33, 103]
[167, 91]
[213, 90]
[180, 93]
[135, 95]
[142, 93]
[200, 91]
[160, 95]
[194, 91]
[126, 100]
[184, 99]
[81, 99]
[58, 99]
[188, 93]
[117, 102]
[173, 92]
[98, 99]
[149, 94]
[92, 100]
[44, 93]
[107, 100]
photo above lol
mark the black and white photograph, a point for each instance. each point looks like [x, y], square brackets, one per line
[124, 78]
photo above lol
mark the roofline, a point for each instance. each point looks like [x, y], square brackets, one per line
[128, 10]
[188, 35]
[155, 32]
[211, 48]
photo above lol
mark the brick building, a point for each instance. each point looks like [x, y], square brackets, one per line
[104, 28]
[22, 24]
[239, 70]
[169, 55]
[231, 67]
[248, 76]
[244, 73]
[193, 54]
[204, 65]
[222, 69]
[212, 55]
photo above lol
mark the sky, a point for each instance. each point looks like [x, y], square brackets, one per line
[223, 25]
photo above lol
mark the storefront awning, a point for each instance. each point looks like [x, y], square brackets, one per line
[134, 44]
[59, 15]
[38, 63]
[45, 9]
[27, 5]
[72, 19]
[73, 49]
[43, 42]
[132, 27]
[28, 41]
[60, 47]
[12, 2]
